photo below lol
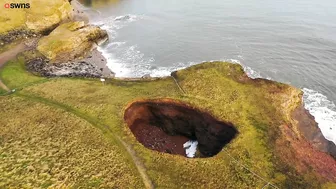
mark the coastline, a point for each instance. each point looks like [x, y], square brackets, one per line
[274, 127]
[96, 58]
[313, 133]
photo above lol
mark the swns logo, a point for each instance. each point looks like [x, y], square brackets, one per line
[17, 5]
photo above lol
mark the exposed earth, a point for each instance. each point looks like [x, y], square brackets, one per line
[77, 132]
[165, 125]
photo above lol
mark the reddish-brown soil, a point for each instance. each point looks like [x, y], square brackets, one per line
[155, 138]
[165, 125]
[304, 156]
[309, 129]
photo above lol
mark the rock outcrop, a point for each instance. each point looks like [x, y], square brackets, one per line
[83, 69]
[40, 17]
[67, 42]
[46, 15]
[70, 41]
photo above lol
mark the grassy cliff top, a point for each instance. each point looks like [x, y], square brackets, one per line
[259, 109]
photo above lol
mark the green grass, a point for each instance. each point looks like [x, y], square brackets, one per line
[251, 112]
[219, 88]
[14, 74]
[2, 91]
[47, 146]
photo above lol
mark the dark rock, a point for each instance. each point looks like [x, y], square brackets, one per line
[15, 35]
[41, 67]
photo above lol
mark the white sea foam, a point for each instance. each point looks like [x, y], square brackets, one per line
[115, 23]
[114, 45]
[136, 65]
[251, 73]
[128, 18]
[122, 66]
[324, 112]
[248, 70]
[190, 148]
[316, 103]
[115, 65]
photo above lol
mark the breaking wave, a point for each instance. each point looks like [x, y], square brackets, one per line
[111, 24]
[324, 112]
[318, 105]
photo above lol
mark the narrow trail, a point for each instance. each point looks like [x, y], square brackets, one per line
[141, 167]
[3, 86]
[106, 130]
[12, 53]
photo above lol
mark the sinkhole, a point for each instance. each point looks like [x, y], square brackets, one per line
[169, 126]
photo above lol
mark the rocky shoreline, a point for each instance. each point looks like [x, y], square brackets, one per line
[93, 66]
[14, 35]
[309, 129]
[69, 50]
[76, 54]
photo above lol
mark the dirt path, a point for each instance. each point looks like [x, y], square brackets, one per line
[3, 86]
[12, 53]
[141, 167]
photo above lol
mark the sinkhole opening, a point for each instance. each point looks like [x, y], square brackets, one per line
[173, 127]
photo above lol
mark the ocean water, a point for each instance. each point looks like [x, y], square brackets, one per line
[284, 40]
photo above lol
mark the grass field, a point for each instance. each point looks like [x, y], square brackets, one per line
[15, 76]
[44, 146]
[78, 127]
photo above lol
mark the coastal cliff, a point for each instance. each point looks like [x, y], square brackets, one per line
[82, 132]
[70, 41]
[63, 37]
[42, 16]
